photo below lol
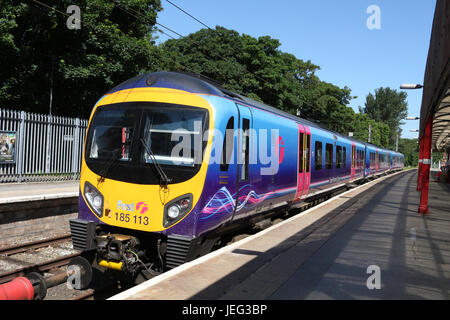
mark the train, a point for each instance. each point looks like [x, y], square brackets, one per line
[173, 162]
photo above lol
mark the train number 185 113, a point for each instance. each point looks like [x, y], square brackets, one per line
[136, 219]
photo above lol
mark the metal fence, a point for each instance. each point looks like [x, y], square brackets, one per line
[36, 147]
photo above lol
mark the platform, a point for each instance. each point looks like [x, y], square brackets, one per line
[36, 210]
[329, 252]
[20, 192]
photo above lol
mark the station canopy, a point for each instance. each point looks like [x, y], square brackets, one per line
[436, 88]
[441, 125]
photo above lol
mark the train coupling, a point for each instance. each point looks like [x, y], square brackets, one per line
[118, 252]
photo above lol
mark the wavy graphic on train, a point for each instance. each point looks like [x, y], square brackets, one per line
[224, 202]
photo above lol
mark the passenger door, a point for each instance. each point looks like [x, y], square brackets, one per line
[304, 162]
[244, 185]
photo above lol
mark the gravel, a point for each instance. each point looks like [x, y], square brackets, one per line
[15, 261]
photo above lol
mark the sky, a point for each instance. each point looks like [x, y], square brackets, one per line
[352, 47]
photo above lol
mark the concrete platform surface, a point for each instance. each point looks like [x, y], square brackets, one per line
[19, 192]
[346, 248]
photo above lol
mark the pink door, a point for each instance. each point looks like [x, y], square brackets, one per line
[304, 161]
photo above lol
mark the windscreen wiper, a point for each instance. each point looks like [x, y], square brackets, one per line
[112, 161]
[163, 179]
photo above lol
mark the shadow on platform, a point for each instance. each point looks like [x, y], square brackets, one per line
[330, 258]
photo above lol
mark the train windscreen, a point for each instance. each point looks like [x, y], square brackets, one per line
[125, 140]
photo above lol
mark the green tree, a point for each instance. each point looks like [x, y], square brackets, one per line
[326, 103]
[111, 46]
[410, 149]
[258, 69]
[379, 131]
[388, 106]
[254, 67]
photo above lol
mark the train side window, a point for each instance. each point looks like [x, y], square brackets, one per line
[338, 156]
[328, 156]
[358, 158]
[228, 145]
[300, 152]
[308, 148]
[318, 156]
[353, 156]
[362, 158]
[344, 157]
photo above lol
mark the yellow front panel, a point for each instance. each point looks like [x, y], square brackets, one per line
[137, 206]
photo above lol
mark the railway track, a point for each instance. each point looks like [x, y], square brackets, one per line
[55, 270]
[89, 295]
[10, 250]
[7, 254]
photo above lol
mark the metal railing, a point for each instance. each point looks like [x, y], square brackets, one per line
[37, 147]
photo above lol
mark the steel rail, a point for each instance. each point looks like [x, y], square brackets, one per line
[10, 250]
[38, 267]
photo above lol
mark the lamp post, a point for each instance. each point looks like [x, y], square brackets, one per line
[410, 86]
[424, 157]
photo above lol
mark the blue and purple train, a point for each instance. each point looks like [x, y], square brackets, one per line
[173, 163]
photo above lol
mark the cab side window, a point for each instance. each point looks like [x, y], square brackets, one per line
[228, 144]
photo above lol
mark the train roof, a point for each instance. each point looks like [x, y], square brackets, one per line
[200, 84]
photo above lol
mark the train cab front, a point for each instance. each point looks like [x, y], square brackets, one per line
[143, 171]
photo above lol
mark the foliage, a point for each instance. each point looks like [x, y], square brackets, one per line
[258, 69]
[388, 106]
[116, 42]
[410, 148]
[110, 47]
[379, 130]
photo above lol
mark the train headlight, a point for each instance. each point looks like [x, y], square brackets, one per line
[94, 199]
[177, 209]
[174, 211]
